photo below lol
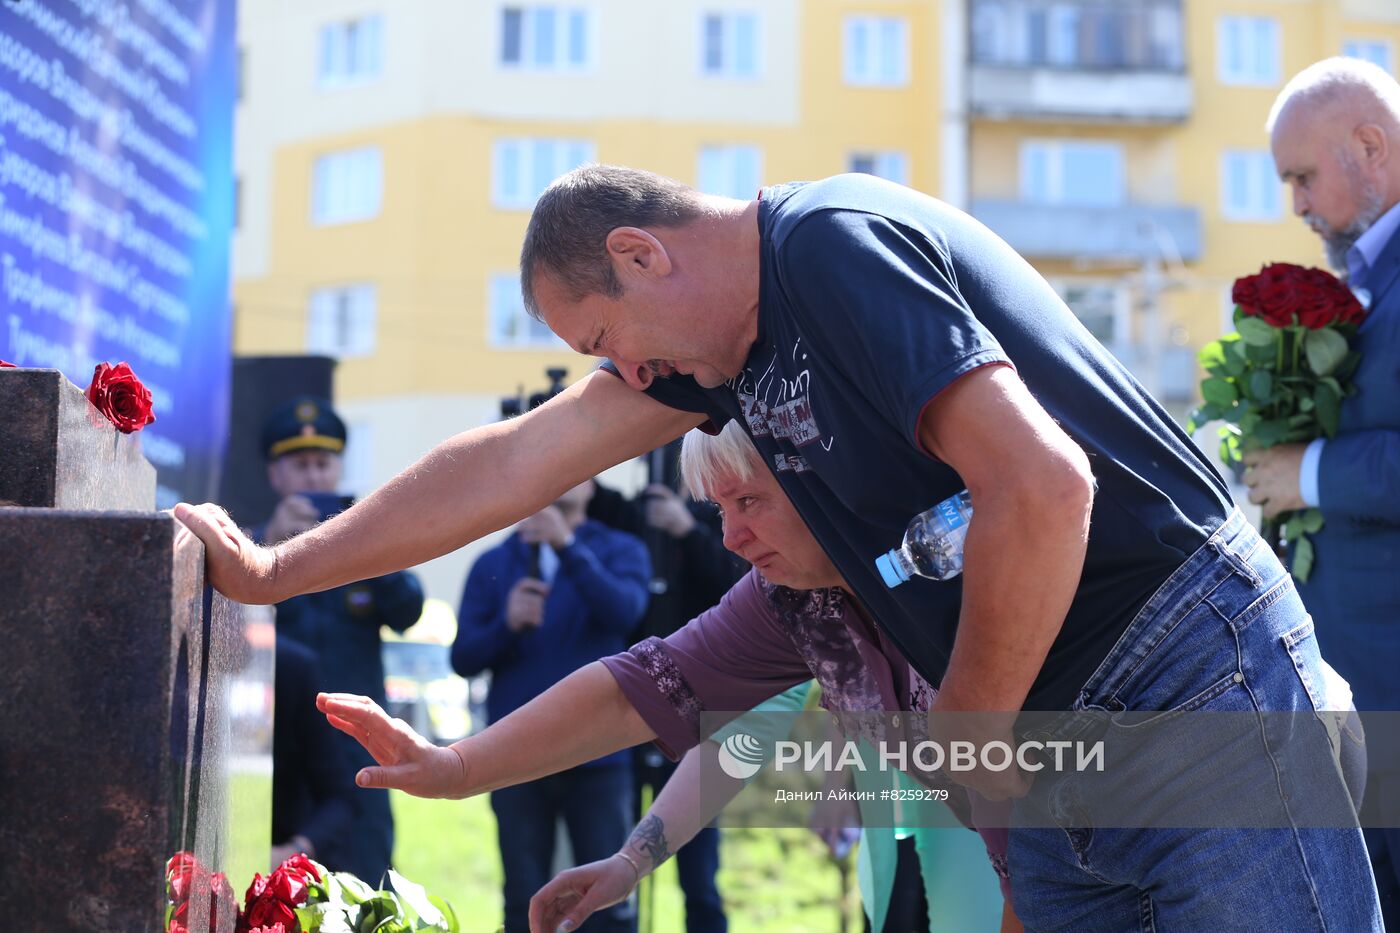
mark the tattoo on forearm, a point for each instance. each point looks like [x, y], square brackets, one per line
[649, 838]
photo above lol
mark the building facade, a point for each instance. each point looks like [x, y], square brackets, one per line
[388, 156]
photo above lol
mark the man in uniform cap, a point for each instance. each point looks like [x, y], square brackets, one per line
[304, 441]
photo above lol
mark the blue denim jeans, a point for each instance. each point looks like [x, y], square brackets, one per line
[595, 805]
[1225, 632]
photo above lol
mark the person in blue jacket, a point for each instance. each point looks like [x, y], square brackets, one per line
[559, 593]
[305, 441]
[1336, 143]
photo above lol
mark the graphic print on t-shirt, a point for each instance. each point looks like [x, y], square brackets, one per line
[781, 408]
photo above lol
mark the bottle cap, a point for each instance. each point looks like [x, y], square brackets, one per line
[890, 570]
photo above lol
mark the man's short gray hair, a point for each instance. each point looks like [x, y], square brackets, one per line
[1334, 79]
[707, 457]
[568, 230]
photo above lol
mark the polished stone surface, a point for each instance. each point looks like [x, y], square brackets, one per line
[57, 451]
[135, 720]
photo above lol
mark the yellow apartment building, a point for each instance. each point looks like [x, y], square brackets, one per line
[388, 154]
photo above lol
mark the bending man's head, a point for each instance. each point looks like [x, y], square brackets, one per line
[1335, 135]
[567, 238]
[760, 523]
[639, 268]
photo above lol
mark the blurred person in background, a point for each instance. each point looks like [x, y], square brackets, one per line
[304, 441]
[313, 780]
[558, 594]
[1335, 133]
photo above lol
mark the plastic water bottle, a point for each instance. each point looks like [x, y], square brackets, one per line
[933, 544]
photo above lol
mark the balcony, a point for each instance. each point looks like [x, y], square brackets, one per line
[1089, 60]
[1122, 233]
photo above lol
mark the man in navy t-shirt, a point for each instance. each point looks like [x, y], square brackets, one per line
[885, 351]
[875, 300]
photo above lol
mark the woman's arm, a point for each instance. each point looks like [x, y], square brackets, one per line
[583, 717]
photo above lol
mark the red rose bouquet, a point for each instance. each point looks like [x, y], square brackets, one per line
[1281, 376]
[301, 896]
[121, 397]
[189, 883]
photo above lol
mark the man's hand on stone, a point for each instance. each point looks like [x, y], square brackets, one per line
[1272, 478]
[294, 514]
[666, 511]
[236, 567]
[525, 604]
[547, 526]
[407, 761]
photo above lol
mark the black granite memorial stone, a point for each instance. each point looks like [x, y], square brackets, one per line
[136, 710]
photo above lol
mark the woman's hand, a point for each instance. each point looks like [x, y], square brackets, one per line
[407, 761]
[578, 893]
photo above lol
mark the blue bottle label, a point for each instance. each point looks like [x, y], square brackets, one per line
[950, 513]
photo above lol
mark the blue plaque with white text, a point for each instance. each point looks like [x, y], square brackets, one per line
[116, 207]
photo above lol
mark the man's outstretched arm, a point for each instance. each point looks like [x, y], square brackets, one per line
[583, 717]
[468, 486]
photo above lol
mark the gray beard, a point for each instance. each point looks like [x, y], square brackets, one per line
[1339, 242]
[1371, 205]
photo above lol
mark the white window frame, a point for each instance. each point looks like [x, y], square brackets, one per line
[333, 37]
[335, 174]
[343, 320]
[508, 325]
[730, 184]
[1367, 48]
[563, 155]
[728, 67]
[564, 14]
[854, 29]
[358, 475]
[1260, 51]
[1263, 202]
[890, 164]
[1055, 151]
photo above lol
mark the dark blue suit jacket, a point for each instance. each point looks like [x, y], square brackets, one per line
[1354, 590]
[596, 599]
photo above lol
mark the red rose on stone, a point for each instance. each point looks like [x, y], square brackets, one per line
[118, 394]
